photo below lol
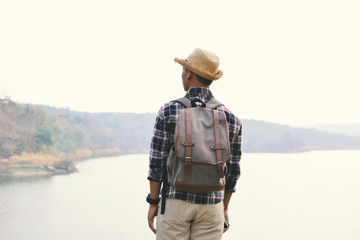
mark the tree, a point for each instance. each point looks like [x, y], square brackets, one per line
[44, 137]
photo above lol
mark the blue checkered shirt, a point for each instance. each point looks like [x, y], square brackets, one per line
[164, 137]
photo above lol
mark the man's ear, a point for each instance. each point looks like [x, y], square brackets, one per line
[192, 76]
[188, 74]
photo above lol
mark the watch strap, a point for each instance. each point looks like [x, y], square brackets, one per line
[152, 201]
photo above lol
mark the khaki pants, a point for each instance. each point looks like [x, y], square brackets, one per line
[187, 221]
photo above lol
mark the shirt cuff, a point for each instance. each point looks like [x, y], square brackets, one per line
[154, 177]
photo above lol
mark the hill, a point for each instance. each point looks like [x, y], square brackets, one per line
[67, 135]
[351, 129]
[259, 136]
[74, 135]
[132, 134]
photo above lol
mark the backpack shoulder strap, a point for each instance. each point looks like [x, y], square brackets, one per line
[214, 104]
[185, 102]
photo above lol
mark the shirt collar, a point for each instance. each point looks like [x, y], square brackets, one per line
[200, 92]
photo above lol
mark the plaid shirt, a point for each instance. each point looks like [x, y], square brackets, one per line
[164, 137]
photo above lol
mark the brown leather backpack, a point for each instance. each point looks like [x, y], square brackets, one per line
[197, 161]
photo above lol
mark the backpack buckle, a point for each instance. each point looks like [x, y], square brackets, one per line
[187, 164]
[217, 147]
[187, 144]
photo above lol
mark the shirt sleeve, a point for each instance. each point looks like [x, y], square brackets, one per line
[158, 147]
[233, 164]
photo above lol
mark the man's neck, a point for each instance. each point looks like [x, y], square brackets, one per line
[200, 85]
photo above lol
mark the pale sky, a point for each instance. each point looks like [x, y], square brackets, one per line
[288, 62]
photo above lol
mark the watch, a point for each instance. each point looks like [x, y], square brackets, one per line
[152, 201]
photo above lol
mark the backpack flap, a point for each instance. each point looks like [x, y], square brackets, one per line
[197, 131]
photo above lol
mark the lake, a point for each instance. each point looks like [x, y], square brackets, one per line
[308, 196]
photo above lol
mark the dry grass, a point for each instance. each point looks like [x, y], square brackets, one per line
[83, 153]
[48, 159]
[35, 158]
[108, 152]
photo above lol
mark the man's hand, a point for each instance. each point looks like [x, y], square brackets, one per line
[226, 207]
[153, 210]
[226, 214]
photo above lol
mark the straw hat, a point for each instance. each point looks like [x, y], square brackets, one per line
[202, 63]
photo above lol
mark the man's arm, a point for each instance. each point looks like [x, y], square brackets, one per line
[154, 189]
[233, 168]
[157, 160]
[227, 201]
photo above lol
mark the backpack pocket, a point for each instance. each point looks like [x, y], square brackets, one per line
[202, 178]
[171, 166]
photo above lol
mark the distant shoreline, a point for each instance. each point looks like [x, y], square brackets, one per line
[20, 169]
[34, 165]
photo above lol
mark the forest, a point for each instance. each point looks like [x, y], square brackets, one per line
[30, 129]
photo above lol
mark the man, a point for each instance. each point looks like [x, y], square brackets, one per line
[191, 215]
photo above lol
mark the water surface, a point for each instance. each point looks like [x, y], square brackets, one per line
[313, 195]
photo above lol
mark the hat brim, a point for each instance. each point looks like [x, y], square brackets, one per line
[201, 72]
